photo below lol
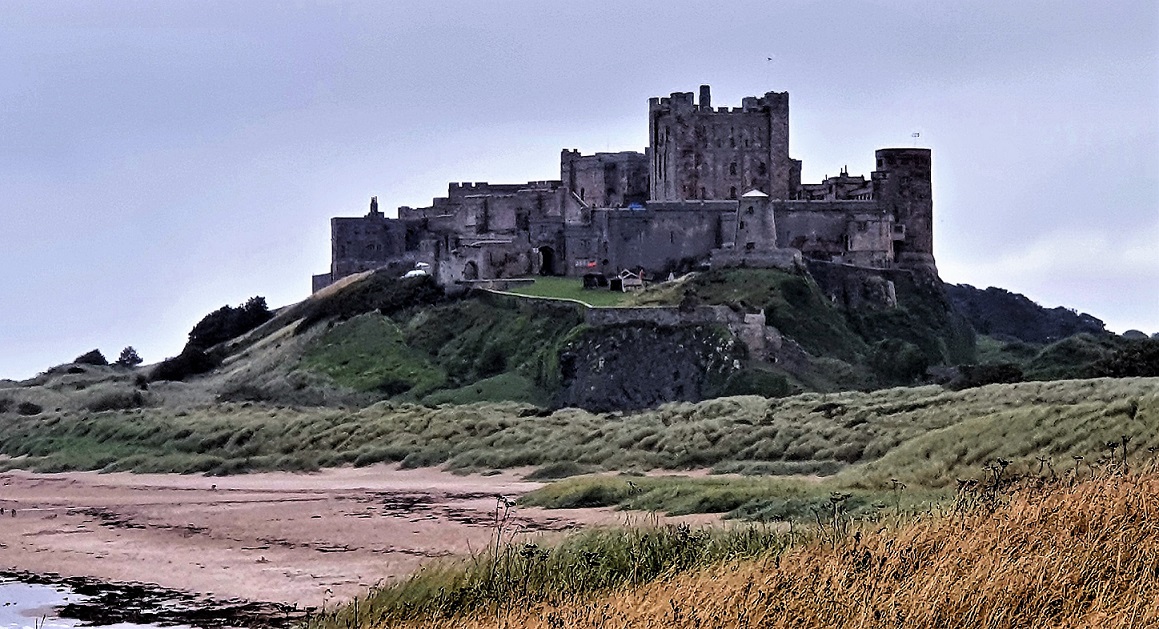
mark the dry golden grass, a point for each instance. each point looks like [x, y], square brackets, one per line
[1081, 555]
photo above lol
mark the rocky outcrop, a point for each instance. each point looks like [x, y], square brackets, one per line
[640, 365]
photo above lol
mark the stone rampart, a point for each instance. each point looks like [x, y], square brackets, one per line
[664, 316]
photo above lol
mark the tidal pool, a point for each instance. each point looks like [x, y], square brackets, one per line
[35, 606]
[33, 601]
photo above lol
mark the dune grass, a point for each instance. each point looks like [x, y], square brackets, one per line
[761, 499]
[1030, 552]
[524, 573]
[922, 436]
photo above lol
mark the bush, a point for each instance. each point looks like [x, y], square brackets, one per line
[492, 361]
[758, 382]
[227, 323]
[190, 362]
[29, 408]
[116, 400]
[1137, 358]
[898, 362]
[94, 357]
[970, 376]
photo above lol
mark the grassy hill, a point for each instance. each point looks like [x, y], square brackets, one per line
[375, 337]
[478, 347]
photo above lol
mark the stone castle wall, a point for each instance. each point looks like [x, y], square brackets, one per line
[715, 185]
[606, 179]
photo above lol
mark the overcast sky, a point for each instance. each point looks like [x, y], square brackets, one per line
[161, 159]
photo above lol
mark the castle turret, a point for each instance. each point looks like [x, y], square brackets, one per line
[902, 185]
[756, 229]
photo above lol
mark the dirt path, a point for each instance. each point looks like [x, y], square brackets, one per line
[295, 538]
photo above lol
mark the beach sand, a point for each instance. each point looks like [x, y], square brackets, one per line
[304, 539]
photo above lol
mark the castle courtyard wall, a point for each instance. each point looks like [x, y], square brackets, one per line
[663, 236]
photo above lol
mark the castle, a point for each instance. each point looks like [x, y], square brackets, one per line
[716, 186]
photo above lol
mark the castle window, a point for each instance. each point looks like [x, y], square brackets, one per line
[732, 192]
[741, 224]
[749, 211]
[702, 193]
[583, 191]
[732, 169]
[762, 170]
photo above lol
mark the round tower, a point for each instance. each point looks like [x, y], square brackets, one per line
[903, 187]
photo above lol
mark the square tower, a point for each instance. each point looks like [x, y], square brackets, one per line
[701, 153]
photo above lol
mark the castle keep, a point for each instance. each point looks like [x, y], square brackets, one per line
[715, 186]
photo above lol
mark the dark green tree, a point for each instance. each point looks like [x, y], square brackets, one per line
[228, 322]
[129, 358]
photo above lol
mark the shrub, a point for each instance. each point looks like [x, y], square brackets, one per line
[190, 362]
[898, 362]
[227, 323]
[1137, 358]
[970, 376]
[115, 400]
[758, 382]
[95, 357]
[492, 361]
[29, 408]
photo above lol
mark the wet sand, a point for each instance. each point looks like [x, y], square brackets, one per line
[303, 539]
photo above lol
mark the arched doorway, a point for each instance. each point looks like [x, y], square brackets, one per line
[471, 271]
[546, 261]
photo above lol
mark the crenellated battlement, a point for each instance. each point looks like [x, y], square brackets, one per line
[684, 102]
